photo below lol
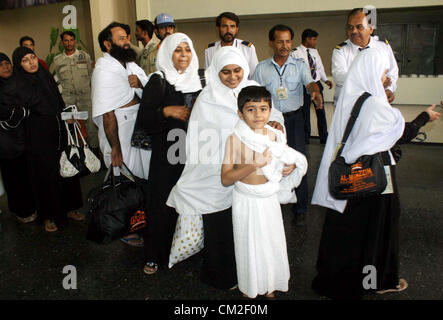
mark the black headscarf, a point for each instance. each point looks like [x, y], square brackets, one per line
[38, 91]
[8, 92]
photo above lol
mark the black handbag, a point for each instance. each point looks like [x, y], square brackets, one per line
[363, 178]
[118, 207]
[140, 138]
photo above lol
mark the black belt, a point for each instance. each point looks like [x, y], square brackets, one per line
[291, 113]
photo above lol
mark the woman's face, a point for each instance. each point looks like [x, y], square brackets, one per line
[182, 56]
[30, 63]
[231, 75]
[5, 69]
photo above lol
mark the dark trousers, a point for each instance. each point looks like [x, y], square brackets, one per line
[322, 125]
[294, 123]
[219, 268]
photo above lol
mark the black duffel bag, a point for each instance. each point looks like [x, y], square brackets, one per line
[118, 207]
[363, 178]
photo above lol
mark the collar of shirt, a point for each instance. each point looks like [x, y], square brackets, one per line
[72, 55]
[234, 44]
[288, 61]
[355, 47]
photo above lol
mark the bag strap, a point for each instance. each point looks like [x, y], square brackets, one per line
[70, 138]
[352, 119]
[79, 133]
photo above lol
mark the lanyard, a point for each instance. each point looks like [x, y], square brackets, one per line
[280, 75]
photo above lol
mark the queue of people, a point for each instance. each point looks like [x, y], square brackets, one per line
[256, 114]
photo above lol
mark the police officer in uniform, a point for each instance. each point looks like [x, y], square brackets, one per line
[164, 26]
[227, 25]
[359, 32]
[73, 70]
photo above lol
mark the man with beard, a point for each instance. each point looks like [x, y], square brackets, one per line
[73, 69]
[144, 32]
[359, 31]
[164, 26]
[117, 84]
[284, 77]
[227, 26]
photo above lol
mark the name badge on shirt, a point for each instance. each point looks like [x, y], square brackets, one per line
[389, 186]
[282, 93]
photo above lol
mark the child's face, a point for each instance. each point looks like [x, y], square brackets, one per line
[255, 114]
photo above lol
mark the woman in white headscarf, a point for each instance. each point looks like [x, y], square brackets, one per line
[166, 104]
[364, 232]
[199, 190]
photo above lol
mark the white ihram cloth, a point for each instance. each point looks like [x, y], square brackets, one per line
[259, 236]
[281, 154]
[377, 129]
[214, 116]
[110, 90]
[259, 239]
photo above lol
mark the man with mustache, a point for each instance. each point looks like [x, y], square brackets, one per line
[164, 26]
[359, 31]
[227, 26]
[284, 76]
[73, 69]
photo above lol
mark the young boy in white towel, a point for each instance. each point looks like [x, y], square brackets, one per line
[256, 157]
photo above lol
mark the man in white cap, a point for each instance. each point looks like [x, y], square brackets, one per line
[164, 26]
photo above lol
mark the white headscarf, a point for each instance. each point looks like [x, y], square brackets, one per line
[188, 81]
[377, 129]
[199, 189]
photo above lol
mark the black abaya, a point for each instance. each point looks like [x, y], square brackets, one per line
[163, 174]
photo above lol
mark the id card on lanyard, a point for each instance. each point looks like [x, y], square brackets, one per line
[282, 92]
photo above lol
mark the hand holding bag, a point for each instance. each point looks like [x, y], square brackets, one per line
[364, 178]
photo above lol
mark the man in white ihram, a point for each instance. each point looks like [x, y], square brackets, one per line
[117, 87]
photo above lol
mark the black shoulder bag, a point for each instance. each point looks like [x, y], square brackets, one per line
[364, 178]
[140, 138]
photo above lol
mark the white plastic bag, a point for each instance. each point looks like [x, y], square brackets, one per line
[188, 238]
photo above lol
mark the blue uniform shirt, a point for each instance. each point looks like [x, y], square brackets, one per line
[293, 75]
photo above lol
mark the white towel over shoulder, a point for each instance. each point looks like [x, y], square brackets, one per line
[281, 154]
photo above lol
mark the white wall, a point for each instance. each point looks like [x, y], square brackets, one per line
[192, 9]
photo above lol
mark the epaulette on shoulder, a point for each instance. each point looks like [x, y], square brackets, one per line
[383, 40]
[339, 46]
[211, 44]
[246, 43]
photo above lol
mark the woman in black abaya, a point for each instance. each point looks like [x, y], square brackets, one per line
[362, 234]
[12, 147]
[45, 139]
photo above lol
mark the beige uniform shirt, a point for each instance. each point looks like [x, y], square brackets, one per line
[143, 59]
[74, 73]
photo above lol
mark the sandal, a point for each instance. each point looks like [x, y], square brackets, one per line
[133, 240]
[75, 215]
[50, 226]
[150, 268]
[402, 285]
[29, 219]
